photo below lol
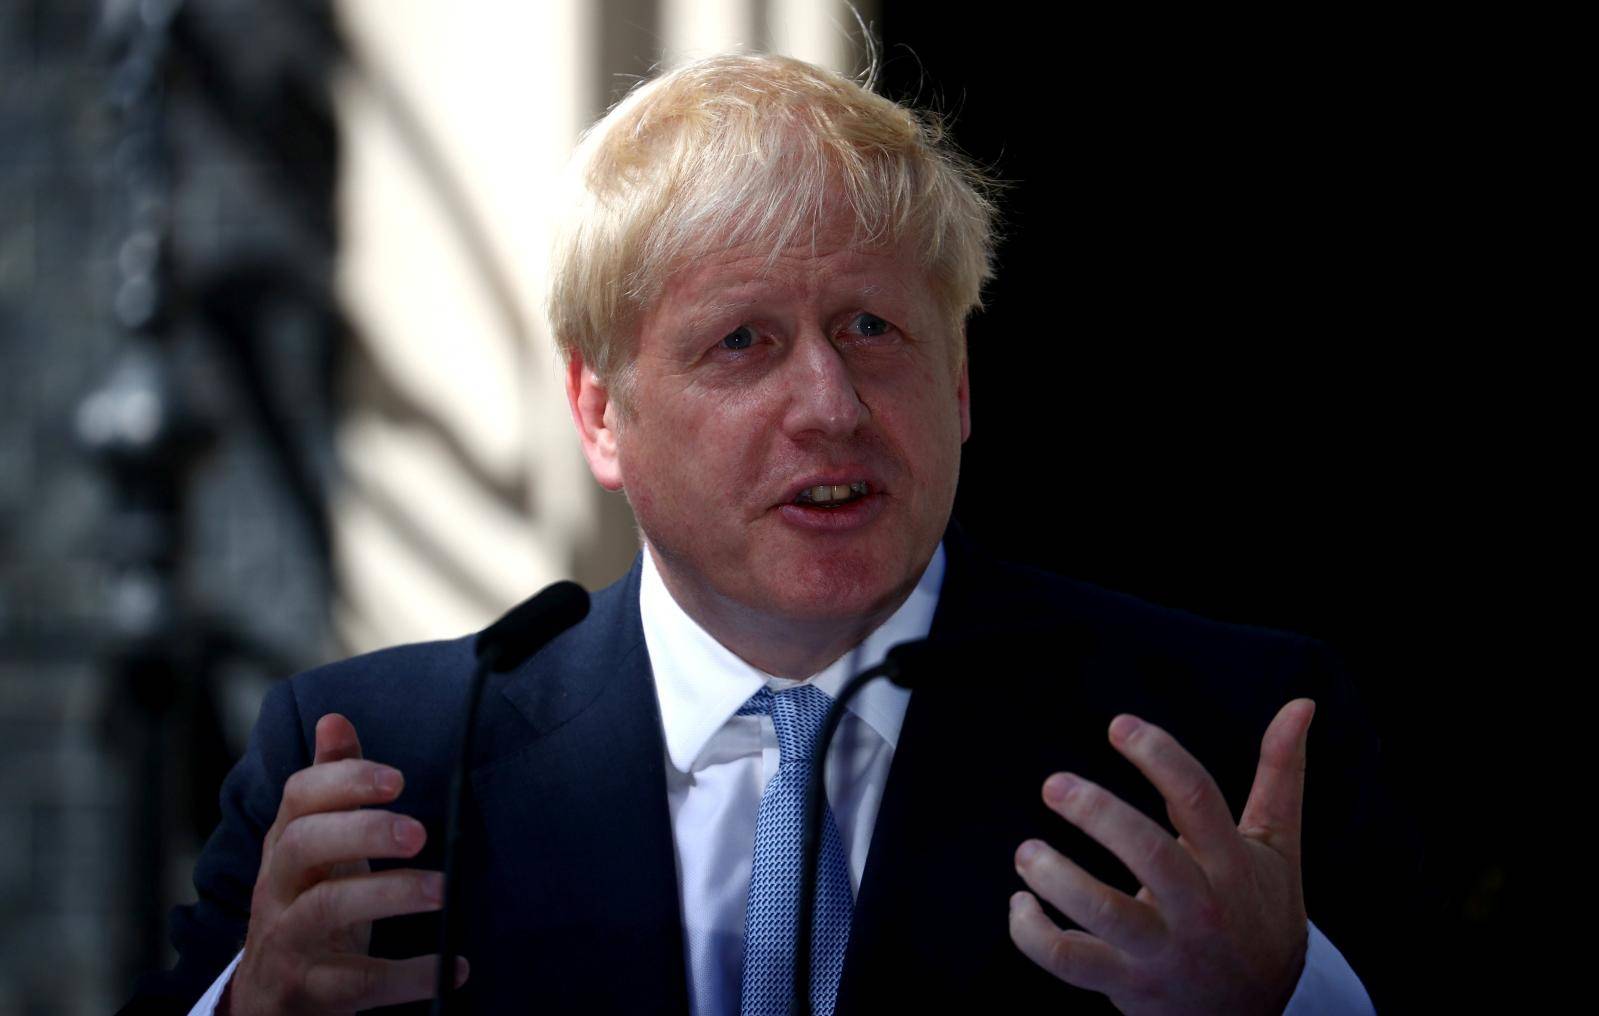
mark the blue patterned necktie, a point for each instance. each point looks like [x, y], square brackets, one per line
[771, 915]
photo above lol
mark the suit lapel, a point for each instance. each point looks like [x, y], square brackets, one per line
[571, 795]
[930, 920]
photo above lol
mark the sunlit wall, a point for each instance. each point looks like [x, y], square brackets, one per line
[464, 489]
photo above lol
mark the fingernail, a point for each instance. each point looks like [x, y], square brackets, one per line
[1017, 901]
[388, 781]
[462, 969]
[1027, 852]
[408, 833]
[1058, 786]
[1123, 727]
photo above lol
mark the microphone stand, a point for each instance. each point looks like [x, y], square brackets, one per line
[894, 668]
[500, 647]
[450, 935]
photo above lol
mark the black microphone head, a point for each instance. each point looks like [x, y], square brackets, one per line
[527, 626]
[910, 661]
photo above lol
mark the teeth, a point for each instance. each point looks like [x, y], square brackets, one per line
[832, 493]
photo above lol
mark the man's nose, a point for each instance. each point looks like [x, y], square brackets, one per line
[823, 398]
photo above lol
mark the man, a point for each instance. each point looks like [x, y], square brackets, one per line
[761, 296]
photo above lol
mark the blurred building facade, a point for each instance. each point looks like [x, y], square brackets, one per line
[340, 204]
[246, 352]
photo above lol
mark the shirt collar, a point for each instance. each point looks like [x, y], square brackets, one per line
[700, 683]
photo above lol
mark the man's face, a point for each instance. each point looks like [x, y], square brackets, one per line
[792, 437]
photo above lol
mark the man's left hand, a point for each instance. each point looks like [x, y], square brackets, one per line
[1219, 925]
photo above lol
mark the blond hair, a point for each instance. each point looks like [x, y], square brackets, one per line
[753, 149]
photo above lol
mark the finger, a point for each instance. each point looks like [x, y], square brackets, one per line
[346, 982]
[1193, 800]
[1112, 916]
[312, 844]
[337, 786]
[1276, 800]
[1072, 956]
[339, 903]
[335, 739]
[1149, 852]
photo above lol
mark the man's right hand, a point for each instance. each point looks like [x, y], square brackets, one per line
[316, 896]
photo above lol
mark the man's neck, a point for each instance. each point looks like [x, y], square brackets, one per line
[787, 647]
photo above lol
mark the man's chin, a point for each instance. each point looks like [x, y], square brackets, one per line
[841, 592]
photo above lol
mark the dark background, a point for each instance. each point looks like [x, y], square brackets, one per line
[1234, 362]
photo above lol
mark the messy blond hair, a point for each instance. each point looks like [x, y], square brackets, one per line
[741, 149]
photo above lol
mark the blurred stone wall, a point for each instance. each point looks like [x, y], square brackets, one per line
[253, 572]
[260, 100]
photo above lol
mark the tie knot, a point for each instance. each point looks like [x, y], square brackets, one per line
[797, 714]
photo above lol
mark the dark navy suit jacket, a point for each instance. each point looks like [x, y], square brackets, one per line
[573, 900]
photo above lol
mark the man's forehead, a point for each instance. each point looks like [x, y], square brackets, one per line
[741, 276]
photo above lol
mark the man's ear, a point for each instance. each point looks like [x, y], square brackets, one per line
[595, 414]
[963, 393]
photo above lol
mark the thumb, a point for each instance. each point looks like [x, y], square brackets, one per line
[1276, 801]
[335, 739]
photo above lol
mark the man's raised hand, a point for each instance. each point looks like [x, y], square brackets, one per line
[316, 896]
[1219, 925]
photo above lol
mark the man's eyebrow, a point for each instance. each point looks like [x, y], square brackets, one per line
[713, 309]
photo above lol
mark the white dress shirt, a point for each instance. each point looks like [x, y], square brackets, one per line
[718, 764]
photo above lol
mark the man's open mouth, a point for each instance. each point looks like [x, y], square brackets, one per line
[832, 495]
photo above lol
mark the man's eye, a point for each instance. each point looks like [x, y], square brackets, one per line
[871, 324]
[741, 337]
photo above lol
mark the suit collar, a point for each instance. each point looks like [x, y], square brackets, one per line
[566, 677]
[573, 800]
[571, 792]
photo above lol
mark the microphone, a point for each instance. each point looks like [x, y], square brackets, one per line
[526, 627]
[902, 666]
[501, 647]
